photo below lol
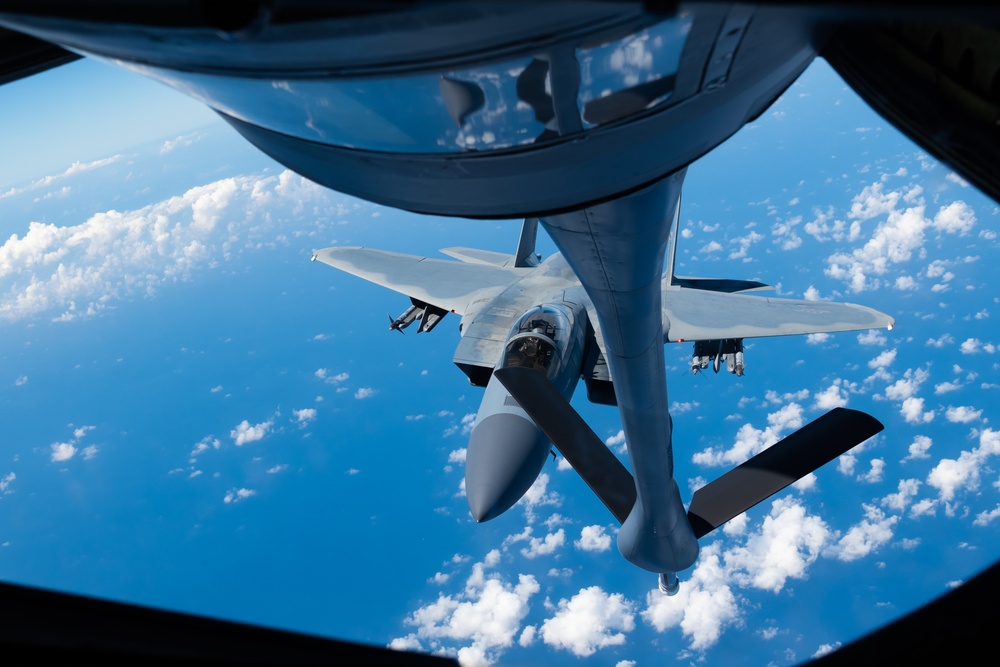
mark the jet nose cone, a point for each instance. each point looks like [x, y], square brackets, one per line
[506, 452]
[483, 509]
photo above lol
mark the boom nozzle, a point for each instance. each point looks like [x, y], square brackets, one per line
[669, 583]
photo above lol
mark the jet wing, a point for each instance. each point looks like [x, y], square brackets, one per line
[693, 314]
[443, 283]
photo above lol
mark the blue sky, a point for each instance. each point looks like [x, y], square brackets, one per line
[196, 417]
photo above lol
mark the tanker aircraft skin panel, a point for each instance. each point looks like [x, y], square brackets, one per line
[693, 314]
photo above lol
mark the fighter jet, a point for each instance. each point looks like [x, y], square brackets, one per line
[530, 330]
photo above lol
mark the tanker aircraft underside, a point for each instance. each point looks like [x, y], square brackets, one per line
[531, 329]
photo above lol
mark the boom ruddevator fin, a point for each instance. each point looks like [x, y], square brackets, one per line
[770, 471]
[767, 473]
[671, 279]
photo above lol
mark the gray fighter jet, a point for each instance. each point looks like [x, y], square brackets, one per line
[531, 329]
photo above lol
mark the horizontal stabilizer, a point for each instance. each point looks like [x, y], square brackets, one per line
[721, 284]
[812, 446]
[477, 256]
[710, 284]
[589, 456]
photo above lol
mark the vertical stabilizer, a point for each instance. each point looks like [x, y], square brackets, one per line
[526, 244]
[671, 279]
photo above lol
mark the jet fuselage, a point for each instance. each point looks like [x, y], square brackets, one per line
[506, 449]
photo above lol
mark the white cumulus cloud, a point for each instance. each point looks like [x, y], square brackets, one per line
[882, 360]
[544, 546]
[68, 271]
[788, 541]
[950, 476]
[62, 451]
[861, 539]
[245, 432]
[593, 538]
[538, 495]
[590, 620]
[913, 412]
[918, 448]
[484, 618]
[751, 441]
[907, 490]
[236, 495]
[305, 415]
[899, 235]
[832, 397]
[963, 414]
[703, 607]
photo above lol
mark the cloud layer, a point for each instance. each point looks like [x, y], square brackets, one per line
[64, 272]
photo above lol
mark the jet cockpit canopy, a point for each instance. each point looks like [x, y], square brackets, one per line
[539, 339]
